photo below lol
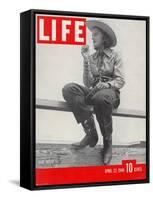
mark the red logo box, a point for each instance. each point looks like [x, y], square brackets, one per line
[61, 30]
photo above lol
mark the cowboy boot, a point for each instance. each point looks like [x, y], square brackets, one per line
[107, 151]
[91, 137]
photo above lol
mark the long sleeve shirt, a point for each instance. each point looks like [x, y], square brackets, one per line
[110, 65]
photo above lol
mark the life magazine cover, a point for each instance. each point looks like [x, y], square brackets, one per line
[90, 99]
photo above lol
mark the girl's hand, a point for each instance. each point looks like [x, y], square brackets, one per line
[85, 52]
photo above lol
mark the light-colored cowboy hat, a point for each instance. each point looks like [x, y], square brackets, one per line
[105, 28]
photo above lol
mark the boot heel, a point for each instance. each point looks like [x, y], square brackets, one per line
[93, 143]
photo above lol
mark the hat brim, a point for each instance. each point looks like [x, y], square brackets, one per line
[105, 28]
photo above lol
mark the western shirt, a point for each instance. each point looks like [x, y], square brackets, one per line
[108, 63]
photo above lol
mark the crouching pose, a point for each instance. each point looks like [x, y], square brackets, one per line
[103, 78]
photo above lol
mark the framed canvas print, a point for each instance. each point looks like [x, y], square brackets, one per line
[84, 83]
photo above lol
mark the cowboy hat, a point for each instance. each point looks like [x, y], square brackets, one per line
[105, 28]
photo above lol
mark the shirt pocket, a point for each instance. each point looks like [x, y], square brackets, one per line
[110, 61]
[109, 65]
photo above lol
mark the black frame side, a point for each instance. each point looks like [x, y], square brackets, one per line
[26, 151]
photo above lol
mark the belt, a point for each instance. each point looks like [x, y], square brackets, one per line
[102, 79]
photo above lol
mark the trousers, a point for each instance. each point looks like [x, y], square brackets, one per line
[103, 102]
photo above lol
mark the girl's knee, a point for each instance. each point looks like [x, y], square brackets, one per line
[66, 90]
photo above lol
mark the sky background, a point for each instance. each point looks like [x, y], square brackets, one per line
[57, 65]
